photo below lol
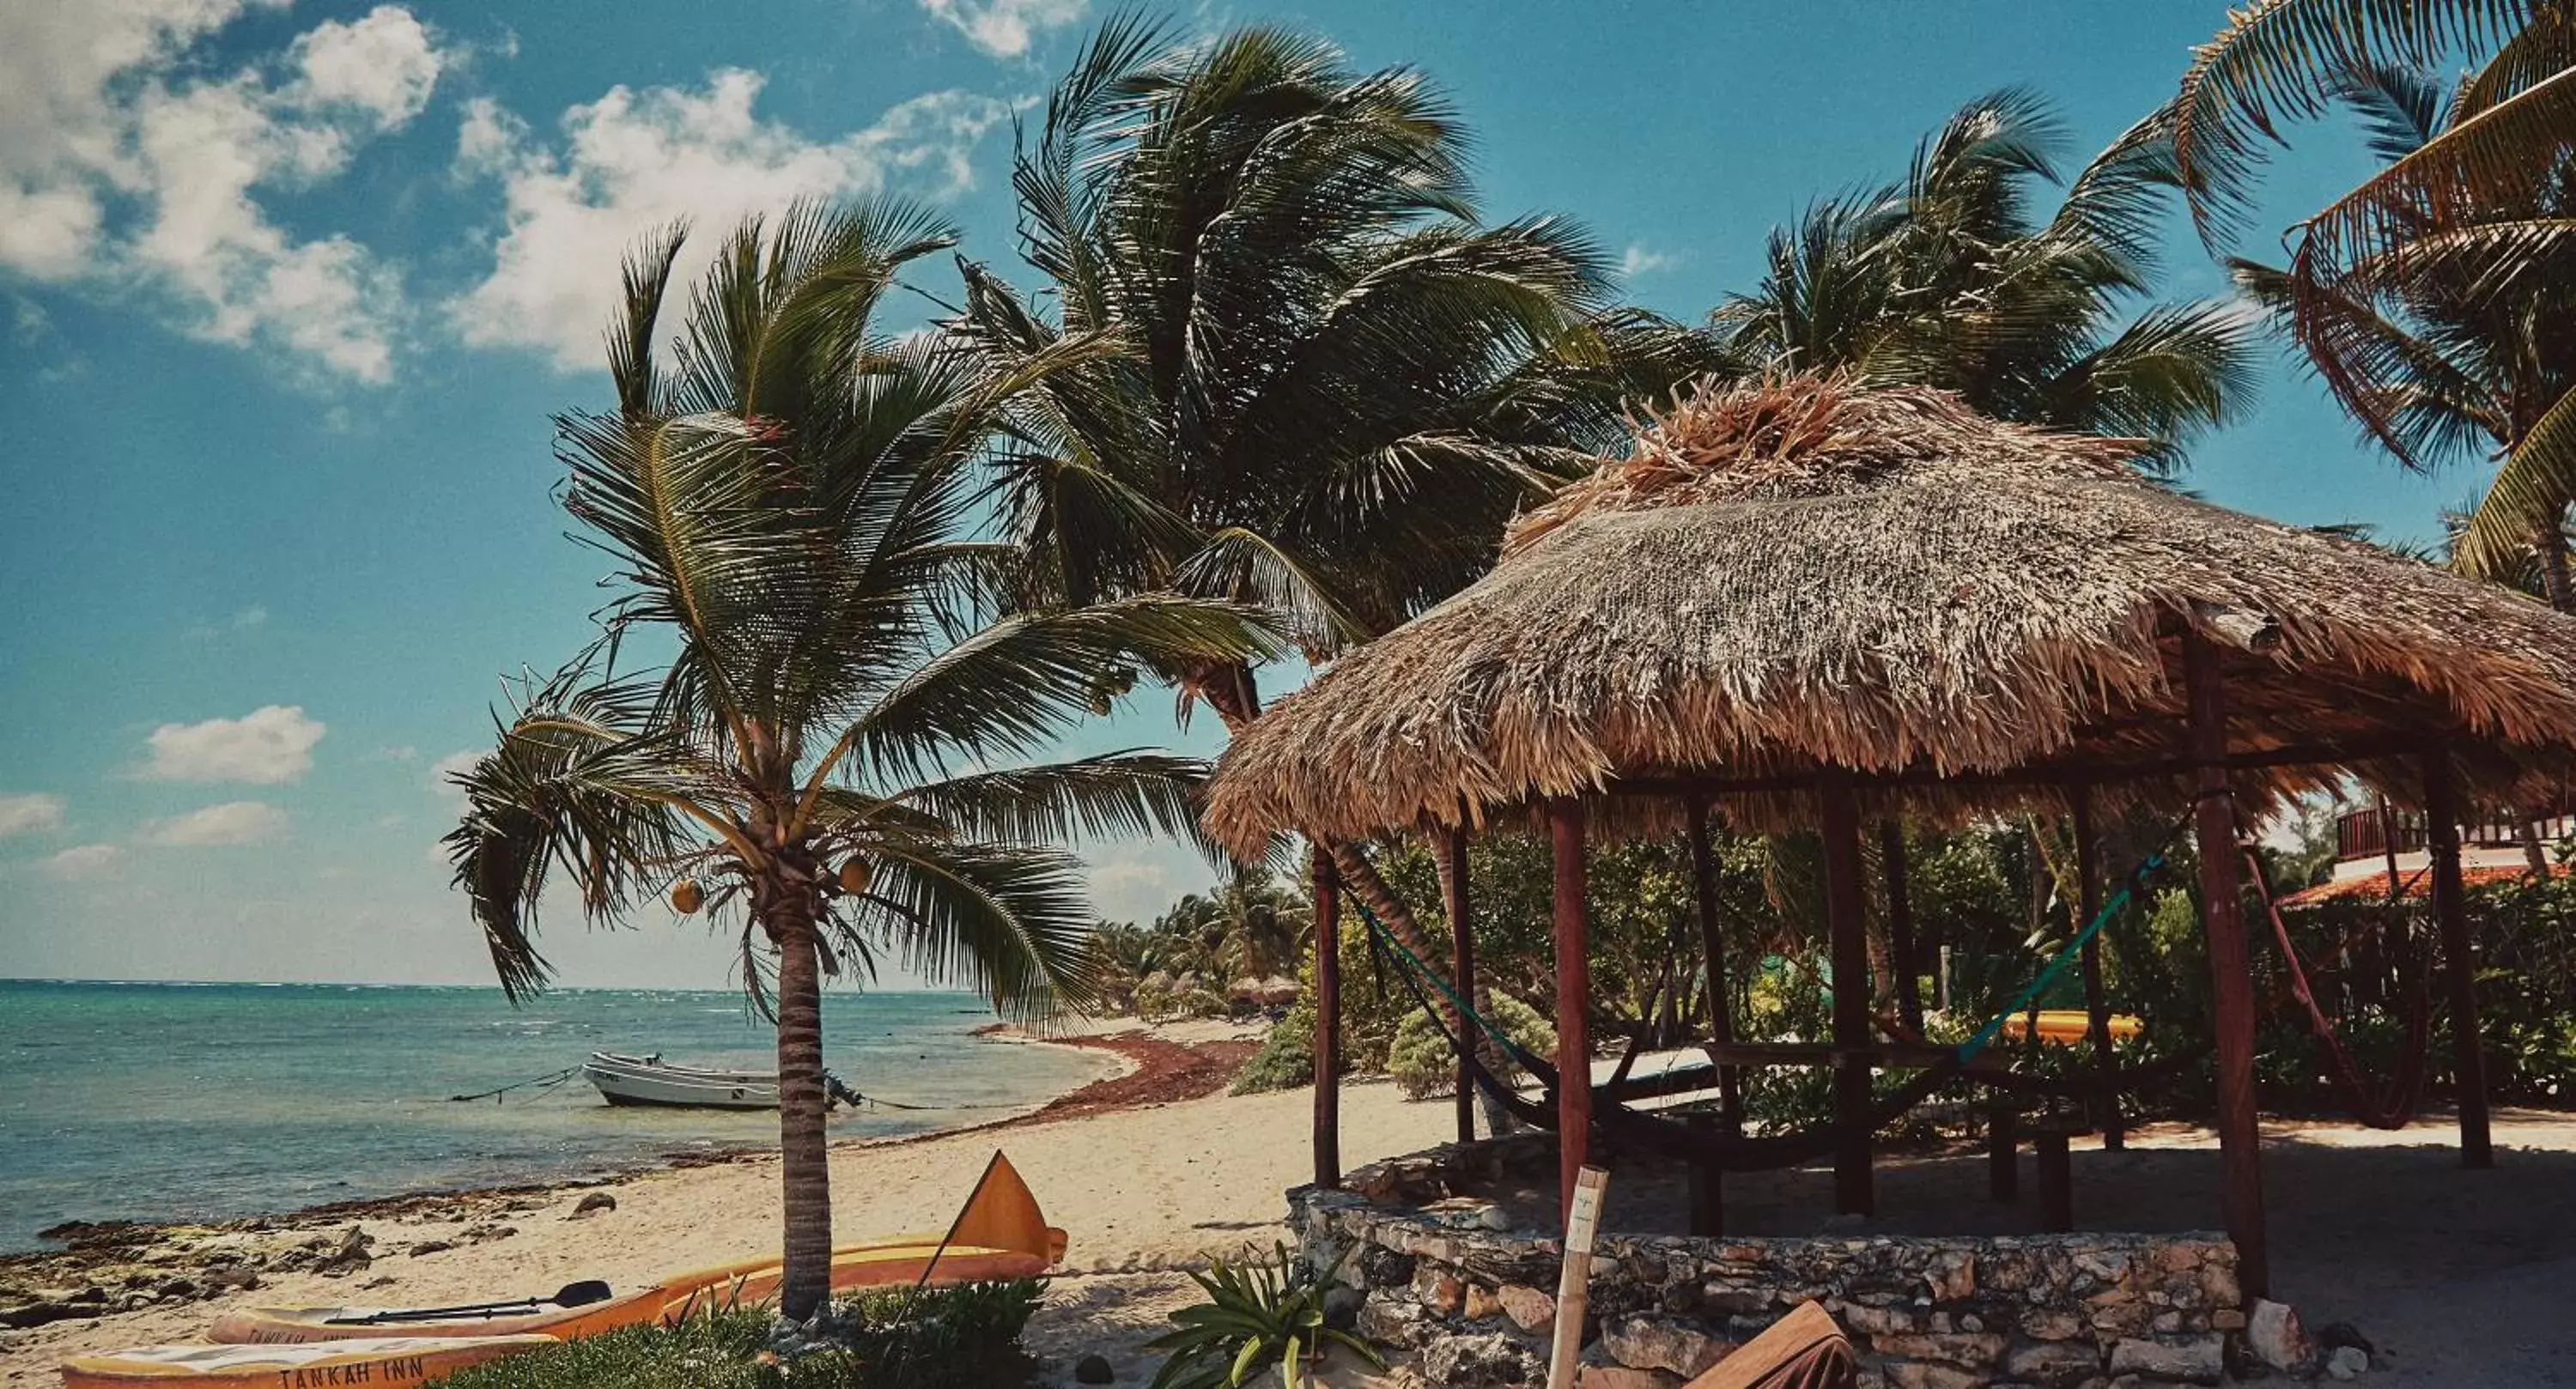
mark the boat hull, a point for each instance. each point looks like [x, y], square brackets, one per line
[398, 1362]
[650, 1082]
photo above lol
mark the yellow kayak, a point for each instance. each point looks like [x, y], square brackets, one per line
[2063, 1026]
[301, 1325]
[383, 1362]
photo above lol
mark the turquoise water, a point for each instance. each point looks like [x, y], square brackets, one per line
[197, 1101]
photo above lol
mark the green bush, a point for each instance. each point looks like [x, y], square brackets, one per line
[1285, 1061]
[1423, 1064]
[963, 1337]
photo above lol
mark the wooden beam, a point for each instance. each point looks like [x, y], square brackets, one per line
[1845, 918]
[1328, 1021]
[2222, 908]
[2097, 1006]
[2459, 956]
[1462, 964]
[2058, 776]
[1901, 958]
[1712, 945]
[1573, 1001]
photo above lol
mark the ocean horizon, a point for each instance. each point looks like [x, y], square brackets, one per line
[169, 1100]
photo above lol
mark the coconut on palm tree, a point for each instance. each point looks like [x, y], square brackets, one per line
[802, 714]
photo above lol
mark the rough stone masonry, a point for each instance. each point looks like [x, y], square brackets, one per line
[1430, 1272]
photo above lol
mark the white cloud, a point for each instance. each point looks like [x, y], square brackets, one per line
[1004, 28]
[33, 813]
[124, 164]
[452, 765]
[385, 65]
[233, 822]
[634, 161]
[265, 747]
[81, 862]
[246, 620]
[1638, 260]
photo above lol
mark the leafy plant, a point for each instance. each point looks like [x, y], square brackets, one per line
[1258, 1314]
[1420, 1058]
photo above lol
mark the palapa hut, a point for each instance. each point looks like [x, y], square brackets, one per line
[1805, 603]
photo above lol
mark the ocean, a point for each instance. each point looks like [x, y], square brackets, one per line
[206, 1101]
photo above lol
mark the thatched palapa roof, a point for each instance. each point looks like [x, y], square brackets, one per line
[1804, 574]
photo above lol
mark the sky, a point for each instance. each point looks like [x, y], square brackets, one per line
[288, 293]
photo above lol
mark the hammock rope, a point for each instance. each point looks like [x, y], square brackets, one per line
[2389, 1106]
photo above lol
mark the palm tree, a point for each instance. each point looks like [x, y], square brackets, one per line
[1337, 385]
[1952, 278]
[2429, 298]
[810, 747]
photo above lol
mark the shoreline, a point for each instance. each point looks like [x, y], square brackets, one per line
[1145, 1070]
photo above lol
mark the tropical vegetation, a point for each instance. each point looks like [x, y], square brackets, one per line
[2430, 298]
[961, 1337]
[806, 714]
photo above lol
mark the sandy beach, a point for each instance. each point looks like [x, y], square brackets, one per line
[2458, 1276]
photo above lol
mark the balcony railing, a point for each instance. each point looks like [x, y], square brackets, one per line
[2372, 834]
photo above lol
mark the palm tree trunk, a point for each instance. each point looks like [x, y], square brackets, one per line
[1498, 1120]
[2550, 543]
[806, 1283]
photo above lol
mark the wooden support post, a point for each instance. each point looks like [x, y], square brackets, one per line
[1574, 1277]
[1462, 965]
[1328, 1021]
[2003, 1139]
[2222, 906]
[2459, 957]
[2097, 1006]
[1707, 1181]
[1712, 945]
[1901, 958]
[1573, 1001]
[1845, 910]
[2056, 1180]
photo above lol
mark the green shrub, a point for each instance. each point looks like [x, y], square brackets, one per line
[1285, 1061]
[1423, 1064]
[963, 1337]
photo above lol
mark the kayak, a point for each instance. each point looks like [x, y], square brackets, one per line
[384, 1362]
[2068, 1025]
[999, 1234]
[300, 1325]
[854, 1267]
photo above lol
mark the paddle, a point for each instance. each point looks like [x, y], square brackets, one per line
[581, 1294]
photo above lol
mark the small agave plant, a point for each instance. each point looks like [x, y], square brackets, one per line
[1259, 1313]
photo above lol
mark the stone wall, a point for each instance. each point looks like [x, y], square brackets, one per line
[1431, 1271]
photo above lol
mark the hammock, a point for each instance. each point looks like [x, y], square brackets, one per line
[1727, 1151]
[2390, 1105]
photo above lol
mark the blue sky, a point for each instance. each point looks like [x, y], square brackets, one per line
[287, 293]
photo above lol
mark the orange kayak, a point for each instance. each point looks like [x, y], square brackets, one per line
[383, 1362]
[999, 1234]
[279, 1326]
